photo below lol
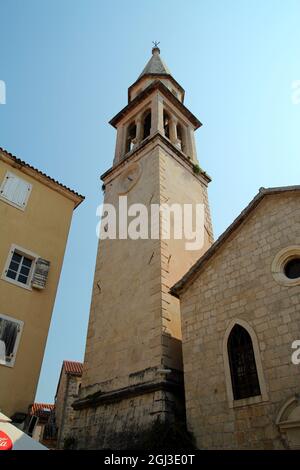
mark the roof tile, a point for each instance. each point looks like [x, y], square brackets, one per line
[42, 410]
[24, 164]
[73, 367]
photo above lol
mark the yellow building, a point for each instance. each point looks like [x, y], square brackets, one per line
[35, 217]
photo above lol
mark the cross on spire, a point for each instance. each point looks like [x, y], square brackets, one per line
[155, 47]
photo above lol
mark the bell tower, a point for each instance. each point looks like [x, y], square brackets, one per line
[132, 372]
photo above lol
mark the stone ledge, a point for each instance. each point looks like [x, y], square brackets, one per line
[100, 398]
[202, 176]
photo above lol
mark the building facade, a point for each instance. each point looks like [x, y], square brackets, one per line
[67, 392]
[240, 308]
[40, 425]
[132, 373]
[35, 215]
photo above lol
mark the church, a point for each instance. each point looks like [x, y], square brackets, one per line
[202, 338]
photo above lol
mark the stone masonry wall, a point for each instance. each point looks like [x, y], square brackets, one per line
[178, 186]
[134, 328]
[123, 424]
[237, 283]
[67, 393]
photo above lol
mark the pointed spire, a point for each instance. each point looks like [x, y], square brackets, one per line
[155, 70]
[155, 65]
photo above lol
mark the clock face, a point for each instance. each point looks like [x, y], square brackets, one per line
[129, 178]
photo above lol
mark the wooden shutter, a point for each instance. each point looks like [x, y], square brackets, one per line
[15, 189]
[40, 274]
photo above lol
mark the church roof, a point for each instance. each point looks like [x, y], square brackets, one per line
[193, 271]
[155, 65]
[156, 68]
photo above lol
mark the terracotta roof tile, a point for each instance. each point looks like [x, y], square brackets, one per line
[73, 367]
[26, 165]
[42, 410]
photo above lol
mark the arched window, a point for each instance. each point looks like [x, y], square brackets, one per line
[146, 124]
[180, 137]
[131, 135]
[242, 364]
[167, 124]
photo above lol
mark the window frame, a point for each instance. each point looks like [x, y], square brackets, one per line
[8, 201]
[24, 252]
[279, 262]
[263, 397]
[18, 338]
[244, 384]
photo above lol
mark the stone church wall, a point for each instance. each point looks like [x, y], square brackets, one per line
[237, 285]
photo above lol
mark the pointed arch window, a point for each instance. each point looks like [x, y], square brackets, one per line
[131, 135]
[244, 377]
[146, 124]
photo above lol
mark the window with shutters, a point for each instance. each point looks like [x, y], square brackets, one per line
[26, 269]
[20, 266]
[15, 190]
[10, 333]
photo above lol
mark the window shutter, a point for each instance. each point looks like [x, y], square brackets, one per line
[21, 193]
[15, 189]
[40, 274]
[9, 185]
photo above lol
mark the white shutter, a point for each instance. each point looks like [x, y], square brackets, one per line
[15, 190]
[8, 186]
[40, 274]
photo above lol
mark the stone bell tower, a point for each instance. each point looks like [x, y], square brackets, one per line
[133, 361]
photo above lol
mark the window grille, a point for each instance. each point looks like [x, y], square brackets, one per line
[243, 370]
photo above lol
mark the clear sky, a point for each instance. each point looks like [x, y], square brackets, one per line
[67, 65]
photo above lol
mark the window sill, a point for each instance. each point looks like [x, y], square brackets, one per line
[247, 401]
[16, 283]
[10, 203]
[7, 364]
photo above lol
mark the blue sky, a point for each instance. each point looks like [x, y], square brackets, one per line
[67, 65]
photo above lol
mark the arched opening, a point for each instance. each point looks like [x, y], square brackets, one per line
[131, 135]
[292, 268]
[147, 124]
[166, 118]
[180, 137]
[288, 421]
[244, 377]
